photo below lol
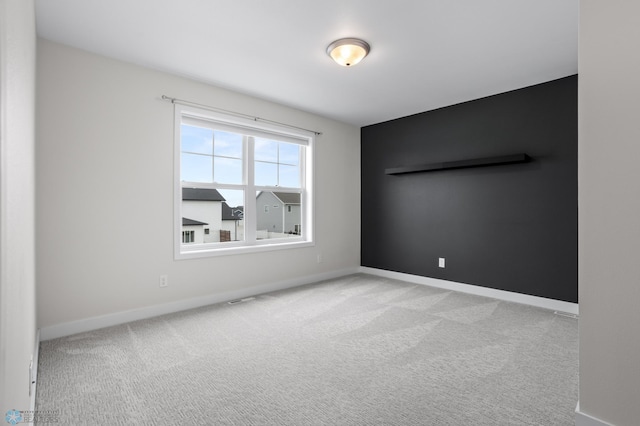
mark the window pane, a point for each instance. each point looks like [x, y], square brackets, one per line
[233, 197]
[196, 139]
[266, 150]
[289, 176]
[227, 170]
[289, 153]
[196, 168]
[232, 227]
[281, 222]
[266, 174]
[228, 144]
[221, 212]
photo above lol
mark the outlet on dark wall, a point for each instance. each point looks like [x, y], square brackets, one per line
[511, 227]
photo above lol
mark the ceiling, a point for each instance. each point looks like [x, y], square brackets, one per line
[425, 54]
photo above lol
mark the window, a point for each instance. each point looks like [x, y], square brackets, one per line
[229, 172]
[188, 236]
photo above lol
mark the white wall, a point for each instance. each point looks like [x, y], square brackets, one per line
[609, 210]
[105, 161]
[17, 193]
[269, 218]
[209, 212]
[236, 227]
[292, 218]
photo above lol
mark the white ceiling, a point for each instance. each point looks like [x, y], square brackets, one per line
[425, 54]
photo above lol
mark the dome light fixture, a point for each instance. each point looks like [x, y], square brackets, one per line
[348, 51]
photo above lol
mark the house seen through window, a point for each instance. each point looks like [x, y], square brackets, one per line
[240, 185]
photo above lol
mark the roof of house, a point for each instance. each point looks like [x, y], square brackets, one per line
[201, 194]
[187, 222]
[288, 197]
[232, 213]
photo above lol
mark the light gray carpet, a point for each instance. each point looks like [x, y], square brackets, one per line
[359, 350]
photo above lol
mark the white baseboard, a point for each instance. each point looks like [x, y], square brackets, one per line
[541, 302]
[94, 323]
[583, 419]
[34, 373]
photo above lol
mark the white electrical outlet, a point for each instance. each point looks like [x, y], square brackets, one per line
[441, 262]
[164, 280]
[319, 258]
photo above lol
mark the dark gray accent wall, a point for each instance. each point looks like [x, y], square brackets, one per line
[510, 227]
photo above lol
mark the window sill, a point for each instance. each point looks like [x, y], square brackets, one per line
[197, 253]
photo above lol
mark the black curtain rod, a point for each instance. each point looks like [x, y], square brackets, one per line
[237, 114]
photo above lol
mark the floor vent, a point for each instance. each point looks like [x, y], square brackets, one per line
[235, 302]
[566, 314]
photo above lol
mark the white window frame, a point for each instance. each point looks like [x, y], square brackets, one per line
[257, 129]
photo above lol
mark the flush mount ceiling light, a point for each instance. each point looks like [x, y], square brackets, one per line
[348, 51]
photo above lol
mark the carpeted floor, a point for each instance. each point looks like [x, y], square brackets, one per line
[359, 350]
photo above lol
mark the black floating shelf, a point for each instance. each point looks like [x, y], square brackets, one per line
[461, 164]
